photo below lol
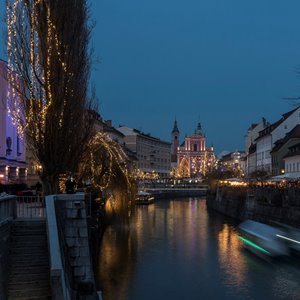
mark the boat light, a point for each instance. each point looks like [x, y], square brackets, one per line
[248, 242]
[286, 238]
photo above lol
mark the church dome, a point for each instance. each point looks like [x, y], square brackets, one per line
[198, 130]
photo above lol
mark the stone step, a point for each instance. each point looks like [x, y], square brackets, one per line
[30, 270]
[28, 239]
[28, 251]
[29, 224]
[29, 285]
[28, 230]
[21, 294]
[29, 262]
[18, 226]
[29, 256]
[28, 244]
[31, 298]
[18, 277]
[16, 265]
[42, 234]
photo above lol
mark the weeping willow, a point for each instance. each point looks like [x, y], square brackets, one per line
[106, 166]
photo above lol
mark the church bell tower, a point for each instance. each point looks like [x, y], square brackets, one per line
[175, 143]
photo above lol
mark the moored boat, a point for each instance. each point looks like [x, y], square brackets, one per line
[262, 239]
[144, 198]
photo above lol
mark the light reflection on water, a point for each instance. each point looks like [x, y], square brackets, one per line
[176, 249]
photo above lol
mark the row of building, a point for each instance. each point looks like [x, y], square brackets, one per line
[270, 147]
[274, 147]
[149, 155]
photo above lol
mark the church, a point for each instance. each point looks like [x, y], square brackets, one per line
[192, 158]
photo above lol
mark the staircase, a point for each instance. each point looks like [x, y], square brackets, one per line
[29, 275]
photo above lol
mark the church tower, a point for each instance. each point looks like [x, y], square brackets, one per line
[175, 143]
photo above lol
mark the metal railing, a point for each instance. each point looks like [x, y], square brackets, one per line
[30, 207]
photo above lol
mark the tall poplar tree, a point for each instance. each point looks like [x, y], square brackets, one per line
[48, 51]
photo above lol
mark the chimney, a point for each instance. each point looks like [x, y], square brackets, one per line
[108, 123]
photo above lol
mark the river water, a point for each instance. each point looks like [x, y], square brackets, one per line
[177, 250]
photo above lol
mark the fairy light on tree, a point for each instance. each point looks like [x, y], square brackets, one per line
[105, 165]
[48, 72]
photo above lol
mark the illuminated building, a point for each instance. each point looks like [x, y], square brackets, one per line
[285, 154]
[292, 160]
[233, 161]
[193, 157]
[12, 147]
[153, 155]
[270, 135]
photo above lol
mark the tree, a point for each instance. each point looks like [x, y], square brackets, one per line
[105, 165]
[47, 45]
[183, 168]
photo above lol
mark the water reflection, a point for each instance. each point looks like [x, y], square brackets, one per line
[176, 249]
[231, 260]
[117, 255]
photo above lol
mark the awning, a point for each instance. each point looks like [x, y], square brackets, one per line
[286, 176]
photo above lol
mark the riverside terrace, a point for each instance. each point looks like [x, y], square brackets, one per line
[263, 201]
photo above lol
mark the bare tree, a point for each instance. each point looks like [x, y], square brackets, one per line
[48, 49]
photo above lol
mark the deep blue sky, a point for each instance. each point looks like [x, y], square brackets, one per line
[225, 63]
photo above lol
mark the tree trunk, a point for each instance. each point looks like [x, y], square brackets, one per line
[50, 184]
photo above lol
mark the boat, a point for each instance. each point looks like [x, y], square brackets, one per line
[262, 239]
[291, 236]
[144, 198]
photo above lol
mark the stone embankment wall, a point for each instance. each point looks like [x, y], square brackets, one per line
[261, 204]
[72, 220]
[72, 275]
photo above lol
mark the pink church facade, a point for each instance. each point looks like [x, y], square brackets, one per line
[194, 156]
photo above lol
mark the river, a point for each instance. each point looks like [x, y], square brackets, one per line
[177, 250]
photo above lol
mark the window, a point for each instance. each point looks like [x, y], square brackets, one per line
[195, 147]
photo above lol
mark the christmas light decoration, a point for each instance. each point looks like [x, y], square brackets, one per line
[106, 164]
[30, 93]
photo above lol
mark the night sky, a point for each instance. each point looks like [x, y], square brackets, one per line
[223, 63]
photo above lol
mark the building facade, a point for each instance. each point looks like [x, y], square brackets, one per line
[282, 148]
[194, 159]
[12, 146]
[250, 145]
[270, 135]
[233, 161]
[292, 159]
[153, 155]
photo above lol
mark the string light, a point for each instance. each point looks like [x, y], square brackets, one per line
[108, 156]
[24, 47]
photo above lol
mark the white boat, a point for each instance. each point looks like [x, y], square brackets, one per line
[262, 239]
[144, 198]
